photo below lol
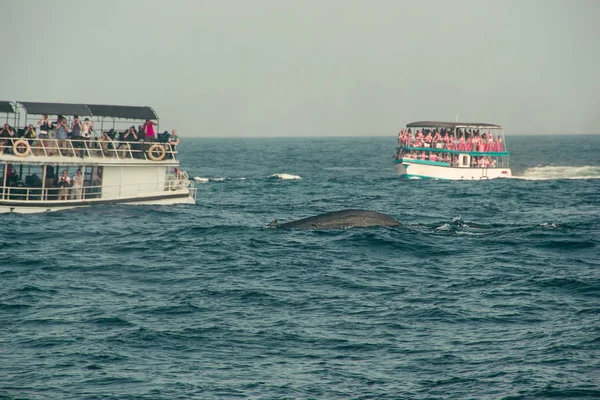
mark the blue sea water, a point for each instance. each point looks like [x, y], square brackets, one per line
[489, 290]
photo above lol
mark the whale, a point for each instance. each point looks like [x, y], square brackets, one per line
[351, 218]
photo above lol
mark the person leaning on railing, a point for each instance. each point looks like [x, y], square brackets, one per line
[106, 145]
[173, 142]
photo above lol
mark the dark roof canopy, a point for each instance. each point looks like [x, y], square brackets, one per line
[96, 110]
[128, 112]
[6, 107]
[55, 108]
[451, 125]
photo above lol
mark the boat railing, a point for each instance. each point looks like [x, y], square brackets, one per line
[502, 153]
[91, 148]
[171, 183]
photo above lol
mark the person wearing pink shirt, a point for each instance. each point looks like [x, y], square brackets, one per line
[149, 129]
[499, 144]
[462, 146]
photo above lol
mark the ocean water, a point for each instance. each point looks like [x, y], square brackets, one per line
[489, 290]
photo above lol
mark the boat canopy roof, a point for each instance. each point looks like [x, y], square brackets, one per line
[6, 107]
[127, 112]
[55, 108]
[452, 125]
[96, 110]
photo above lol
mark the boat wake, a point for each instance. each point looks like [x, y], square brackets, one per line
[557, 172]
[199, 179]
[285, 177]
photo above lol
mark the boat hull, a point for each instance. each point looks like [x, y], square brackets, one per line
[410, 170]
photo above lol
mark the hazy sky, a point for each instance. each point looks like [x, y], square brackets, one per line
[226, 68]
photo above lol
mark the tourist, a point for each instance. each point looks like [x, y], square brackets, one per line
[30, 133]
[499, 144]
[45, 126]
[174, 139]
[77, 191]
[437, 140]
[428, 140]
[149, 130]
[64, 182]
[129, 136]
[462, 145]
[62, 133]
[6, 135]
[107, 145]
[87, 128]
[173, 142]
[76, 127]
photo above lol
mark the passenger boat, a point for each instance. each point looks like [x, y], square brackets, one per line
[106, 168]
[452, 150]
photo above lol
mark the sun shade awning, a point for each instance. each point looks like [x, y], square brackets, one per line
[127, 112]
[451, 125]
[55, 108]
[6, 107]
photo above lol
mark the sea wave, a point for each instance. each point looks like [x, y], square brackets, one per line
[486, 290]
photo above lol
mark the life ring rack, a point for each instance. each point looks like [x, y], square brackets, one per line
[20, 145]
[156, 147]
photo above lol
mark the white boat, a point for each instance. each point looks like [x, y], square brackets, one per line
[99, 170]
[452, 150]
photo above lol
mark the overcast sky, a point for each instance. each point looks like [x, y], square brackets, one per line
[226, 68]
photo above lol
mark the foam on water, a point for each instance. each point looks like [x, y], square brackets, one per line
[285, 176]
[220, 179]
[560, 172]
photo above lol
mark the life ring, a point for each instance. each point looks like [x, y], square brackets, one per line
[20, 144]
[160, 149]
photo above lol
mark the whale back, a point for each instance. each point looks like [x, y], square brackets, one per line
[343, 219]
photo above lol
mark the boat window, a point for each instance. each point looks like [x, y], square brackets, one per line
[32, 175]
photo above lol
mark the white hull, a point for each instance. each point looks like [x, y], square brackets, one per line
[34, 207]
[425, 171]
